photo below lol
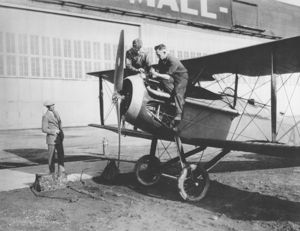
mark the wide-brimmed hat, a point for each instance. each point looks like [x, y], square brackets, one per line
[48, 103]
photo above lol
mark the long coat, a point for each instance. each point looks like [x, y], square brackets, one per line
[50, 125]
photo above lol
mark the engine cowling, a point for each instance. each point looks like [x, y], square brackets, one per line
[139, 108]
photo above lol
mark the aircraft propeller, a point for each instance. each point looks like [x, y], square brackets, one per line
[111, 170]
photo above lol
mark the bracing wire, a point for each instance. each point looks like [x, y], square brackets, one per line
[289, 105]
[257, 112]
[243, 111]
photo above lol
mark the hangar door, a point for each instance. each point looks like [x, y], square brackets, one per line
[46, 56]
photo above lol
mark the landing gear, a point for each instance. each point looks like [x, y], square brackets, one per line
[193, 183]
[193, 180]
[147, 170]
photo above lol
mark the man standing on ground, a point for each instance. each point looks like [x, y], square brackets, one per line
[174, 78]
[137, 61]
[51, 125]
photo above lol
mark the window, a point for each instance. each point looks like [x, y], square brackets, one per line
[68, 69]
[35, 67]
[1, 42]
[97, 66]
[46, 67]
[11, 65]
[107, 51]
[46, 46]
[23, 47]
[57, 66]
[87, 67]
[97, 50]
[23, 66]
[87, 49]
[179, 54]
[67, 48]
[10, 43]
[108, 66]
[56, 47]
[77, 49]
[115, 48]
[186, 55]
[1, 65]
[34, 44]
[78, 70]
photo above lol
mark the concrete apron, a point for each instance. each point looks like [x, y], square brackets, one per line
[17, 178]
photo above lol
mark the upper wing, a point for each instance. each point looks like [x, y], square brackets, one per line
[251, 61]
[107, 75]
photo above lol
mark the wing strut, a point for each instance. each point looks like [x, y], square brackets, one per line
[236, 83]
[101, 100]
[273, 97]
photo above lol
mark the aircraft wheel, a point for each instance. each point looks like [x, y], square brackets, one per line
[193, 183]
[147, 170]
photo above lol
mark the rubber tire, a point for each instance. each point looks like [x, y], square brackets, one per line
[151, 177]
[184, 179]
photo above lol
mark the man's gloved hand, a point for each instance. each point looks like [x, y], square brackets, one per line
[141, 70]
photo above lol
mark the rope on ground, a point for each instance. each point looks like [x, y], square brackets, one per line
[38, 194]
[85, 193]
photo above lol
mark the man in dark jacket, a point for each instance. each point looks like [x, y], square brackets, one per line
[174, 78]
[137, 61]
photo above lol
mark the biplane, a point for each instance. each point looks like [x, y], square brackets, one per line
[211, 119]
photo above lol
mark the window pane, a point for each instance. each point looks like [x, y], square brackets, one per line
[23, 65]
[10, 43]
[11, 65]
[34, 44]
[45, 46]
[87, 49]
[23, 47]
[67, 48]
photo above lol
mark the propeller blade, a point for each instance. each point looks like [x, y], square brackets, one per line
[119, 65]
[118, 107]
[111, 171]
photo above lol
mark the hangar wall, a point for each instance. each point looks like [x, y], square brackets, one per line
[46, 56]
[45, 53]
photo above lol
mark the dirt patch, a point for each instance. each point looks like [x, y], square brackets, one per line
[243, 195]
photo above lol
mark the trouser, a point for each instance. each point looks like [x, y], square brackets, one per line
[60, 157]
[177, 91]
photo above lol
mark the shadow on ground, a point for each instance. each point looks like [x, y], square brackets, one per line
[38, 156]
[221, 199]
[256, 162]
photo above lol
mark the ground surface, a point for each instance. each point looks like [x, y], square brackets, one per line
[247, 192]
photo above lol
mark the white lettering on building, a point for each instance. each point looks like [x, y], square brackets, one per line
[150, 3]
[171, 3]
[204, 11]
[183, 8]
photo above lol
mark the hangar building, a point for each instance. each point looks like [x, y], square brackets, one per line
[48, 46]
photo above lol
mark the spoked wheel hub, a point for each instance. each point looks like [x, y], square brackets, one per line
[147, 170]
[193, 182]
